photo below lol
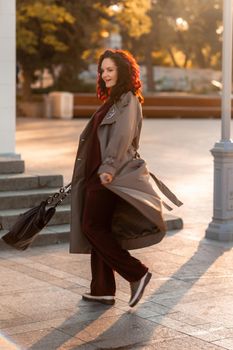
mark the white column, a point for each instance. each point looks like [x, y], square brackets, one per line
[7, 78]
[226, 70]
[221, 227]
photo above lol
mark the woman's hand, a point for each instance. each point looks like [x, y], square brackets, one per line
[105, 178]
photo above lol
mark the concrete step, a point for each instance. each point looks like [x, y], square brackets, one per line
[26, 199]
[49, 235]
[8, 217]
[17, 182]
[173, 222]
[11, 166]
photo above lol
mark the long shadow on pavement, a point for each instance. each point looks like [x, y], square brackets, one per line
[132, 328]
[58, 338]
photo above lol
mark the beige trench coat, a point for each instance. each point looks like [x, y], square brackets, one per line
[138, 220]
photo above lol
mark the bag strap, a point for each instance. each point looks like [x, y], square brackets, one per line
[167, 192]
[58, 197]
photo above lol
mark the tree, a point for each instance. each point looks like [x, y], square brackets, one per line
[133, 18]
[84, 40]
[39, 27]
[70, 34]
[183, 34]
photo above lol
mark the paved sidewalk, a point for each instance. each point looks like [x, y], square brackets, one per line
[189, 302]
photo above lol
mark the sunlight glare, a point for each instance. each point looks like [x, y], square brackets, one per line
[5, 344]
[116, 8]
[182, 24]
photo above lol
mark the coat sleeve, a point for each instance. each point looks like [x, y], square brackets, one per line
[122, 137]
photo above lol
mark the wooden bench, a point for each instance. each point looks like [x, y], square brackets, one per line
[162, 105]
[85, 104]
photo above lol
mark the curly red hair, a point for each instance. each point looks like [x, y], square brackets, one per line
[128, 76]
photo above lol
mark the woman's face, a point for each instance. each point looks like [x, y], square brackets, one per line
[109, 72]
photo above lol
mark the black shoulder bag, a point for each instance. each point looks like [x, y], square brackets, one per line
[30, 223]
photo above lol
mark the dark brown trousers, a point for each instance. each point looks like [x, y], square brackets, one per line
[107, 255]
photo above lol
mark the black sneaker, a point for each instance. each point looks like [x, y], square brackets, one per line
[137, 289]
[103, 299]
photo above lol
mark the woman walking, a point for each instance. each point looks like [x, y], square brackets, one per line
[114, 206]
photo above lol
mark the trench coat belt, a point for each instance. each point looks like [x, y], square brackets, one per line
[168, 193]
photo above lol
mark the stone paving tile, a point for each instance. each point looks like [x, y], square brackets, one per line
[162, 267]
[14, 322]
[226, 343]
[187, 318]
[215, 309]
[168, 284]
[68, 266]
[179, 246]
[40, 300]
[35, 266]
[212, 332]
[32, 326]
[170, 299]
[208, 332]
[78, 290]
[68, 263]
[91, 312]
[57, 255]
[7, 313]
[39, 316]
[192, 271]
[144, 310]
[185, 343]
[122, 331]
[173, 295]
[74, 321]
[84, 282]
[51, 271]
[57, 319]
[48, 339]
[73, 345]
[40, 275]
[157, 254]
[217, 282]
[193, 296]
[179, 326]
[11, 281]
[84, 315]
